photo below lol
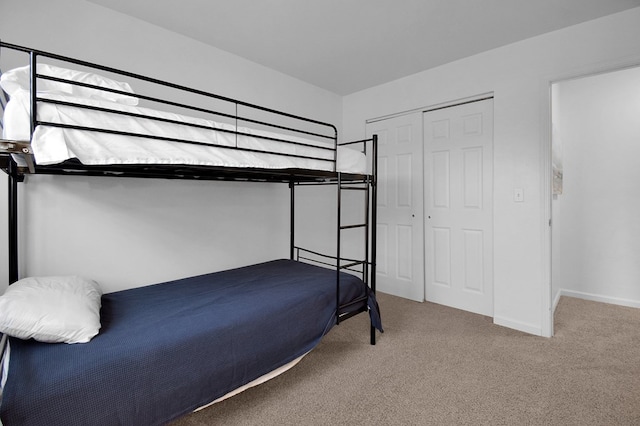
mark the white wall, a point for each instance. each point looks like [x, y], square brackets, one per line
[518, 75]
[596, 233]
[125, 232]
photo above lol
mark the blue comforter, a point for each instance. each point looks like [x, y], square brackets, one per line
[166, 349]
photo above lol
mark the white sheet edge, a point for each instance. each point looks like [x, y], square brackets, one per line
[255, 382]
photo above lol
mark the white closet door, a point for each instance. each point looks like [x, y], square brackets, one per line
[459, 206]
[400, 269]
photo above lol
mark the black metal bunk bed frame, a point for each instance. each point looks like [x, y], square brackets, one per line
[366, 183]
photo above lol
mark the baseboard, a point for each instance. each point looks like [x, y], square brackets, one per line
[517, 325]
[598, 298]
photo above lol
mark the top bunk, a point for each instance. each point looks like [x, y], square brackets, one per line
[71, 117]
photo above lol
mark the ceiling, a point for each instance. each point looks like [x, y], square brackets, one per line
[349, 45]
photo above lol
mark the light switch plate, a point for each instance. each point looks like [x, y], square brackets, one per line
[518, 195]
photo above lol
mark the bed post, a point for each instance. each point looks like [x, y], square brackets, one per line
[374, 222]
[338, 241]
[292, 218]
[33, 63]
[13, 220]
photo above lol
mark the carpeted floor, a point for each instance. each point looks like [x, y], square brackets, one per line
[440, 366]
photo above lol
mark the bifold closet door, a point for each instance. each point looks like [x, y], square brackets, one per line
[400, 234]
[458, 166]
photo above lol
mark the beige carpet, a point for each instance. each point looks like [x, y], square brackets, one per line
[440, 366]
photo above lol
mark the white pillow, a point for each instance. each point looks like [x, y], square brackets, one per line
[51, 309]
[17, 79]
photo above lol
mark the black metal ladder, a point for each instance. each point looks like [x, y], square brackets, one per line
[364, 186]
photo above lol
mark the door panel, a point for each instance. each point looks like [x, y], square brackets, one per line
[440, 186]
[382, 236]
[473, 260]
[458, 185]
[400, 269]
[472, 163]
[441, 257]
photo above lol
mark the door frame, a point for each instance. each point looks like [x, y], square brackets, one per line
[544, 83]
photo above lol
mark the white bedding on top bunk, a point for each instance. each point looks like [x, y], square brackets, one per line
[52, 145]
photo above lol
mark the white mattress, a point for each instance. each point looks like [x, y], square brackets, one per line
[53, 145]
[256, 382]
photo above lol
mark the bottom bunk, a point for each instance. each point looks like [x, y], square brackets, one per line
[167, 349]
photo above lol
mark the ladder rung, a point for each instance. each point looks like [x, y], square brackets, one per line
[354, 188]
[360, 225]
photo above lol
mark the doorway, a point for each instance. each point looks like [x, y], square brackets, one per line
[595, 233]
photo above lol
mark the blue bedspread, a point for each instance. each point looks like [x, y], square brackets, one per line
[167, 349]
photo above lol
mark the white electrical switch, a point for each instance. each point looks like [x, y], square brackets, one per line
[518, 195]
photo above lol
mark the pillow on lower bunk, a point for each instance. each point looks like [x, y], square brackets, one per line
[51, 309]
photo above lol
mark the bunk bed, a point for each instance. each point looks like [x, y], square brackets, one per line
[164, 350]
